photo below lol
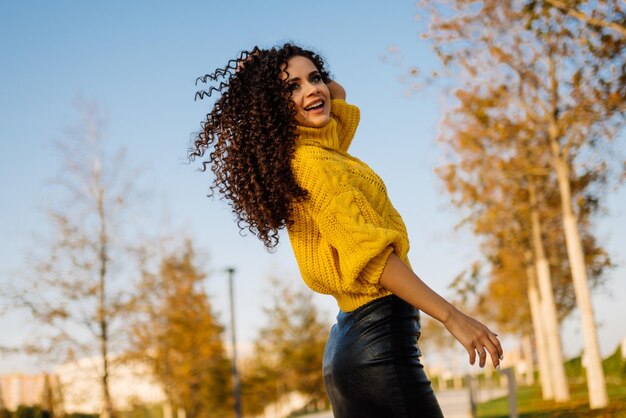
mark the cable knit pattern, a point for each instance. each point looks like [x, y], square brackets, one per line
[343, 234]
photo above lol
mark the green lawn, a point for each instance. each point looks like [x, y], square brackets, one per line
[530, 404]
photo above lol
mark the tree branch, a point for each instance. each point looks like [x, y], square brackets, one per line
[587, 19]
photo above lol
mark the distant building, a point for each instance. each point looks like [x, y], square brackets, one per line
[129, 382]
[21, 389]
[76, 387]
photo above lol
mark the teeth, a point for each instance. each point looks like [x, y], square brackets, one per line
[316, 104]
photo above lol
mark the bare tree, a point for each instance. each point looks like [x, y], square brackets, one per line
[70, 287]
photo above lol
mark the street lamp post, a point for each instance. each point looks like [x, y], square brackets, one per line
[234, 372]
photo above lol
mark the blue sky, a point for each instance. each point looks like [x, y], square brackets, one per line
[139, 60]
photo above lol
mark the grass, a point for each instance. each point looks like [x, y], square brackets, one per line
[530, 404]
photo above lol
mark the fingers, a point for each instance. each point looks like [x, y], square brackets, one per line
[472, 355]
[495, 349]
[481, 353]
[477, 339]
[496, 342]
[487, 344]
[482, 356]
[493, 353]
[241, 63]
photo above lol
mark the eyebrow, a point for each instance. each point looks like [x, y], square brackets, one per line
[298, 78]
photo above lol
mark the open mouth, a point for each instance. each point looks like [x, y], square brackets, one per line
[315, 105]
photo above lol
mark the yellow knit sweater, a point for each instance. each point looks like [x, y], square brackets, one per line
[344, 232]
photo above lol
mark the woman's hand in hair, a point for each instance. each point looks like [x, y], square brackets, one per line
[241, 63]
[336, 91]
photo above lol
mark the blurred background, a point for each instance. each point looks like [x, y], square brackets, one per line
[498, 128]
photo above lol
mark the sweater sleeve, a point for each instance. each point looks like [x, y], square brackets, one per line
[347, 117]
[360, 240]
[363, 244]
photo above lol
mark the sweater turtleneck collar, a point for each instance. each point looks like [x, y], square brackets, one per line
[325, 137]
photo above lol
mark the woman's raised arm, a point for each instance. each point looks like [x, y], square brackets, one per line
[336, 91]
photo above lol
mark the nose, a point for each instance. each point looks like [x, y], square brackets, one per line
[311, 89]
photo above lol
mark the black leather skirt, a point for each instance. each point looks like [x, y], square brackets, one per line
[371, 363]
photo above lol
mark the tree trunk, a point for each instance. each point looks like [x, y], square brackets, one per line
[596, 383]
[561, 390]
[48, 403]
[167, 409]
[541, 339]
[107, 403]
[528, 358]
[595, 374]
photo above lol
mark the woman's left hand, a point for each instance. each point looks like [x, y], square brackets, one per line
[475, 337]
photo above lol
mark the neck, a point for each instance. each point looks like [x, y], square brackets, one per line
[325, 137]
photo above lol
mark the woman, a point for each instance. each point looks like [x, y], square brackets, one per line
[280, 133]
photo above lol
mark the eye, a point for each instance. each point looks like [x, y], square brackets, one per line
[293, 86]
[316, 78]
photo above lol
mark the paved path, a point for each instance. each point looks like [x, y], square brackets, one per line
[454, 403]
[326, 414]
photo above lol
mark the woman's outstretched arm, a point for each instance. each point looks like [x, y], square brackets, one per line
[398, 278]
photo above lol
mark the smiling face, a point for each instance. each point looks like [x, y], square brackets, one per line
[308, 92]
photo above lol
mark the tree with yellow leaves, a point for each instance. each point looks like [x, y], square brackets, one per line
[495, 179]
[567, 87]
[288, 351]
[177, 333]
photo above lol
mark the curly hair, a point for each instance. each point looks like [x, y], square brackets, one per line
[252, 131]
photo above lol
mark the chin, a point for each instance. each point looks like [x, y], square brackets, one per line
[318, 123]
[321, 124]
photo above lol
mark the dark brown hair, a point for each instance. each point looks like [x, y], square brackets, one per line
[251, 136]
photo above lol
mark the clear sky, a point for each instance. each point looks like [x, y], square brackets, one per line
[140, 59]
